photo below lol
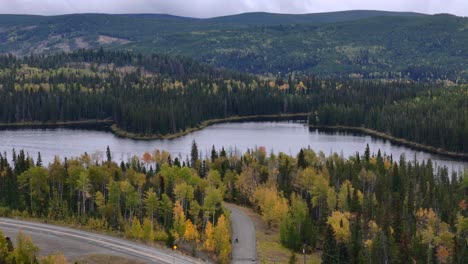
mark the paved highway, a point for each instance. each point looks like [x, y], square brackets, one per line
[76, 243]
[244, 250]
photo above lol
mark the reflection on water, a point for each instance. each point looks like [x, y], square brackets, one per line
[288, 137]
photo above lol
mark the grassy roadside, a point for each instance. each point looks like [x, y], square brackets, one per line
[93, 259]
[112, 233]
[269, 249]
[393, 139]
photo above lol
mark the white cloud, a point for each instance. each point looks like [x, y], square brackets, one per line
[210, 8]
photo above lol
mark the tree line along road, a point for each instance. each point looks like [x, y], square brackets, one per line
[76, 243]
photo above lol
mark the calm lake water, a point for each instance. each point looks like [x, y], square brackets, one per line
[288, 137]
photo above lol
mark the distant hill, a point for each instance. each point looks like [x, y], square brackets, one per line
[269, 19]
[370, 44]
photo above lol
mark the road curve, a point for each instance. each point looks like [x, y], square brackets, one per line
[76, 243]
[244, 250]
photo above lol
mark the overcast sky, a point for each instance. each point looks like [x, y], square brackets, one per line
[210, 8]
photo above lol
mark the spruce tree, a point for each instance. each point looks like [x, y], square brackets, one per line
[301, 163]
[330, 248]
[39, 160]
[108, 155]
[367, 153]
[214, 154]
[194, 154]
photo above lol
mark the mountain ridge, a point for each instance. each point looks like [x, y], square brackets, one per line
[369, 11]
[373, 44]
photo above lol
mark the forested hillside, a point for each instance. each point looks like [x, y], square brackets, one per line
[370, 208]
[363, 44]
[435, 118]
[144, 95]
[158, 94]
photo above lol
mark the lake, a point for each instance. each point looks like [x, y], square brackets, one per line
[288, 137]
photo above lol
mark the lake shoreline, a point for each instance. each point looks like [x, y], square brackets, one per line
[401, 141]
[287, 136]
[111, 126]
[279, 117]
[100, 124]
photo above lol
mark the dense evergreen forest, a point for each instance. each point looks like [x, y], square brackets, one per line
[436, 118]
[368, 208]
[161, 94]
[148, 95]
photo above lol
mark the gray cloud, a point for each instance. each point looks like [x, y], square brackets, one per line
[210, 8]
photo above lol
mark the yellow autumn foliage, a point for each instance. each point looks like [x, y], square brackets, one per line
[368, 243]
[433, 230]
[284, 86]
[179, 221]
[339, 221]
[209, 243]
[222, 239]
[272, 205]
[346, 190]
[191, 233]
[148, 230]
[54, 259]
[136, 231]
[387, 164]
[442, 254]
[300, 86]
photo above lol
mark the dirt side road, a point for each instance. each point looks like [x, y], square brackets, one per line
[244, 250]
